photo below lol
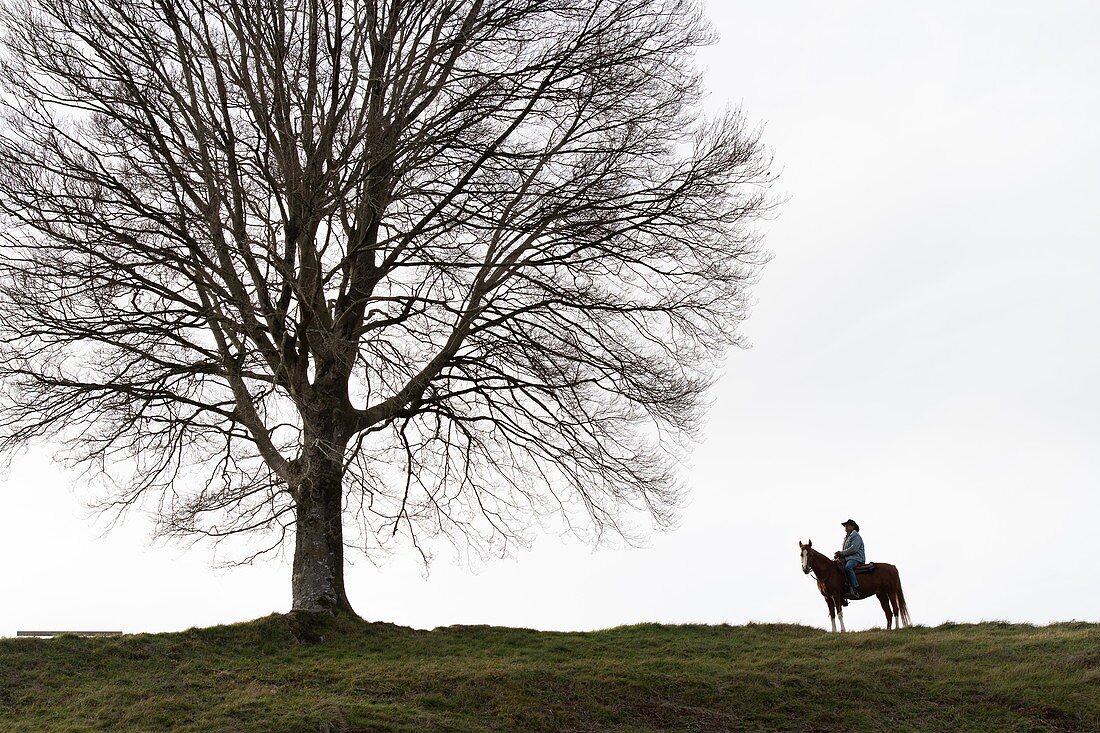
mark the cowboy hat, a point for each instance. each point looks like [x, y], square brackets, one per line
[851, 522]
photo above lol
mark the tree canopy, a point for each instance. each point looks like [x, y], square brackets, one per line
[425, 268]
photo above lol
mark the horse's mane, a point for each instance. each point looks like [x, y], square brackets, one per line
[813, 551]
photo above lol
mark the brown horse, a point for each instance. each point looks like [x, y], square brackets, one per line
[882, 582]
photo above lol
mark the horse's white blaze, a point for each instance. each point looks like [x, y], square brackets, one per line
[805, 559]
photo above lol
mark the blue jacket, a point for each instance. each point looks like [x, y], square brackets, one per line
[853, 548]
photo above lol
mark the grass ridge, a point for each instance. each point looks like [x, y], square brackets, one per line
[295, 673]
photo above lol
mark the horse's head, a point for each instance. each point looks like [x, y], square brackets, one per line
[805, 549]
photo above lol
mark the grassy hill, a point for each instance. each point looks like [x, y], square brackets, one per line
[277, 675]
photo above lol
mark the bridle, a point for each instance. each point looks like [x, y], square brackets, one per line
[807, 566]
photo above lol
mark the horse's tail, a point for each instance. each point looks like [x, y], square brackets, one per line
[901, 604]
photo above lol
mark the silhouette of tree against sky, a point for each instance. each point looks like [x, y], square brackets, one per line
[437, 269]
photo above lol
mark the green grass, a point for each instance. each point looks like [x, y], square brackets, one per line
[275, 675]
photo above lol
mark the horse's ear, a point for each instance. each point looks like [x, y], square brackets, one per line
[809, 543]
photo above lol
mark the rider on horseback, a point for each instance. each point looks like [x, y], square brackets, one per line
[851, 554]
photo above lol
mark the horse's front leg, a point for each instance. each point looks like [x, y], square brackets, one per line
[832, 611]
[840, 613]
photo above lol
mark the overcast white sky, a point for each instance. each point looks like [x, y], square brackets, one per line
[925, 360]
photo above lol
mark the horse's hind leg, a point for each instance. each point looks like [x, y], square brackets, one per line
[884, 599]
[894, 608]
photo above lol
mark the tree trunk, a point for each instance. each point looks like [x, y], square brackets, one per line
[318, 577]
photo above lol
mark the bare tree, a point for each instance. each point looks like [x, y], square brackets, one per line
[444, 267]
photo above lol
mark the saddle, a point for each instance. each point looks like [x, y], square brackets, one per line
[861, 568]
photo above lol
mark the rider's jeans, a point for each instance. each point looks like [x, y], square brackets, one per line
[851, 573]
